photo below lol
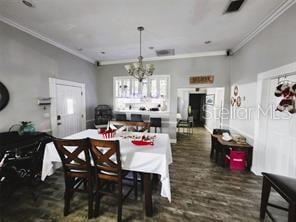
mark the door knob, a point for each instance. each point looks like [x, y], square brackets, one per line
[58, 117]
[59, 124]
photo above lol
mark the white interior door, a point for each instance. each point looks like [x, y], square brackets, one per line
[275, 142]
[68, 107]
[69, 110]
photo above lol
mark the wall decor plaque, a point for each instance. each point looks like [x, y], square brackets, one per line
[209, 79]
[4, 96]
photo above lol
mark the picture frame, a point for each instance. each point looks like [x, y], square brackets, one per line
[210, 99]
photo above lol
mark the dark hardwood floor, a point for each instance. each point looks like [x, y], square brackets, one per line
[201, 191]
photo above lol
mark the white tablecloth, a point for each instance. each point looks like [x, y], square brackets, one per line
[149, 159]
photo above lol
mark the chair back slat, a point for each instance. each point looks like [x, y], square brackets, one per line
[106, 157]
[136, 118]
[74, 155]
[120, 117]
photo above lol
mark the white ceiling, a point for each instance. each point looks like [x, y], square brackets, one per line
[110, 25]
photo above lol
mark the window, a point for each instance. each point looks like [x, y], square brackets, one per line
[144, 86]
[154, 89]
[129, 93]
[70, 106]
[163, 88]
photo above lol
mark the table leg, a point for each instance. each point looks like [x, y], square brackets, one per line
[250, 159]
[223, 151]
[148, 194]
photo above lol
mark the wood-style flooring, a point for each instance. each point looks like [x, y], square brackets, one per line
[201, 191]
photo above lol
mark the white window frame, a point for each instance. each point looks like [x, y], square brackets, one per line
[168, 99]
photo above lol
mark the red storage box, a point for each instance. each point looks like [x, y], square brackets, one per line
[237, 160]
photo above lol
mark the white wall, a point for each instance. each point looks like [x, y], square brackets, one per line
[273, 47]
[274, 145]
[242, 118]
[26, 63]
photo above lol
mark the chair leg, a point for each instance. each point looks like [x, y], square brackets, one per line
[97, 198]
[217, 156]
[292, 212]
[119, 208]
[90, 200]
[264, 197]
[67, 197]
[97, 204]
[135, 177]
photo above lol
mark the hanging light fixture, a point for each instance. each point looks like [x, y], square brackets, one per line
[137, 69]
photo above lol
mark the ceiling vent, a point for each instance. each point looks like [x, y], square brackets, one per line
[234, 6]
[165, 52]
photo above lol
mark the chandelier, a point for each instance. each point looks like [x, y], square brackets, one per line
[137, 69]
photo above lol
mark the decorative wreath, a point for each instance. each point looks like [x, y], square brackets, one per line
[287, 91]
[4, 96]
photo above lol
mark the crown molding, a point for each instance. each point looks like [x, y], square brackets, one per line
[45, 39]
[262, 25]
[284, 6]
[180, 56]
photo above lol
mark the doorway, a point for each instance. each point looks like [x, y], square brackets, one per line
[204, 104]
[68, 107]
[196, 104]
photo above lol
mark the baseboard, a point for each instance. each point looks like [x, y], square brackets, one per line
[208, 129]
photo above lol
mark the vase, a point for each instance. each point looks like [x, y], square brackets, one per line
[27, 127]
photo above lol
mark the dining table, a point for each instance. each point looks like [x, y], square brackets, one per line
[148, 159]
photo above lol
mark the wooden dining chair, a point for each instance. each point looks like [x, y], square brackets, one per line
[120, 117]
[286, 187]
[141, 126]
[156, 123]
[77, 170]
[130, 126]
[108, 171]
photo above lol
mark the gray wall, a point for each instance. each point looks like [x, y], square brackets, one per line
[179, 70]
[25, 65]
[273, 47]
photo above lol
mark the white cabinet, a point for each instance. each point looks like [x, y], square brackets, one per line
[159, 86]
[122, 87]
[139, 89]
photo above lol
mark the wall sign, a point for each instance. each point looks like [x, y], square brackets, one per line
[201, 79]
